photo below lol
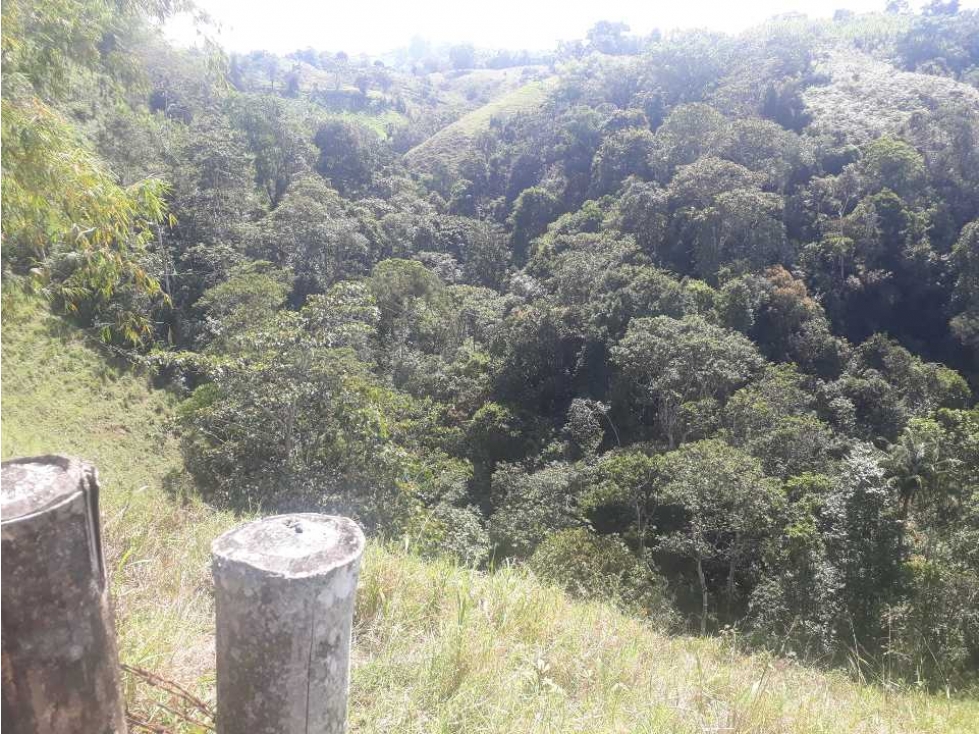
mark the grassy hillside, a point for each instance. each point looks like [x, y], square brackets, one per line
[438, 648]
[450, 143]
[441, 97]
[868, 98]
[60, 395]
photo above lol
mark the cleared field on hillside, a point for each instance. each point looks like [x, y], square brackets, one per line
[438, 648]
[868, 98]
[448, 146]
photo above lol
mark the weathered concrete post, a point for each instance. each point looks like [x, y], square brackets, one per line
[60, 664]
[284, 598]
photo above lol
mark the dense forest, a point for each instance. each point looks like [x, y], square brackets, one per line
[689, 321]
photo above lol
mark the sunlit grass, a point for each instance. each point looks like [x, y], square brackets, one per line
[438, 648]
[449, 145]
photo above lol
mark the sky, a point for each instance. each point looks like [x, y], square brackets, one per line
[373, 27]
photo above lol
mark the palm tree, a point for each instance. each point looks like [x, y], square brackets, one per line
[915, 465]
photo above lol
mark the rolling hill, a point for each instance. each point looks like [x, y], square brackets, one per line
[449, 145]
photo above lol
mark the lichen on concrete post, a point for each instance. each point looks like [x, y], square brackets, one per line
[284, 602]
[60, 662]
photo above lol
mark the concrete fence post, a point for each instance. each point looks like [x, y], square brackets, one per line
[60, 663]
[284, 601]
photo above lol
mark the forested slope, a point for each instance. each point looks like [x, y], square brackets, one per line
[685, 322]
[437, 646]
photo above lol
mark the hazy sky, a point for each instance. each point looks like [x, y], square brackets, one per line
[368, 26]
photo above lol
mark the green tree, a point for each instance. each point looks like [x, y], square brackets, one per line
[311, 234]
[641, 210]
[728, 506]
[915, 464]
[893, 164]
[633, 480]
[965, 296]
[67, 222]
[349, 155]
[533, 210]
[622, 154]
[667, 362]
[608, 37]
[251, 296]
[689, 132]
[865, 548]
[721, 216]
[277, 140]
[296, 418]
[767, 148]
[530, 506]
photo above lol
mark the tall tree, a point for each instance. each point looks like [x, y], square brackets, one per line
[666, 363]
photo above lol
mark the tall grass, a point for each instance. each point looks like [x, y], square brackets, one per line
[438, 648]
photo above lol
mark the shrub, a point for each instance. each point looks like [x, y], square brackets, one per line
[594, 566]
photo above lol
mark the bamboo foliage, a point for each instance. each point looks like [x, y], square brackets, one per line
[81, 237]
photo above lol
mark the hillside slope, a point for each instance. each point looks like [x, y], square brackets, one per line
[448, 146]
[438, 648]
[867, 98]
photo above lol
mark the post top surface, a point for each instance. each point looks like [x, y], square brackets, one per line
[33, 484]
[294, 546]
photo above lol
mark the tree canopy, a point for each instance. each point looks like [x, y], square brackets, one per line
[688, 320]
